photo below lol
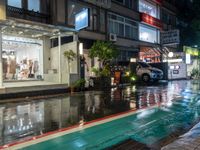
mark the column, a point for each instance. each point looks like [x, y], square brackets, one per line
[1, 62]
[59, 59]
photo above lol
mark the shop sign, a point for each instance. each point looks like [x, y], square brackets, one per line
[187, 58]
[170, 37]
[82, 19]
[100, 3]
[2, 10]
[190, 50]
[151, 20]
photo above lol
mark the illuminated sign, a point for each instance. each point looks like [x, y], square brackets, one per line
[191, 51]
[188, 59]
[2, 10]
[151, 20]
[170, 37]
[82, 19]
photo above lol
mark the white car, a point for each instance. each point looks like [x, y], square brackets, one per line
[146, 72]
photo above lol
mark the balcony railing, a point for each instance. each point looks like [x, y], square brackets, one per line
[27, 14]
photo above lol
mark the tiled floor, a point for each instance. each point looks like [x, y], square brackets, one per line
[188, 141]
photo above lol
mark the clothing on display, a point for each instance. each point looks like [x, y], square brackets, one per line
[25, 69]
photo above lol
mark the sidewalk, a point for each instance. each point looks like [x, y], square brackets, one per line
[188, 141]
[31, 88]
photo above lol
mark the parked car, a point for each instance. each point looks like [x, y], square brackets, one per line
[148, 73]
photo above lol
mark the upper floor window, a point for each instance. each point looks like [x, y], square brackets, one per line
[15, 3]
[149, 34]
[149, 8]
[122, 26]
[127, 3]
[34, 5]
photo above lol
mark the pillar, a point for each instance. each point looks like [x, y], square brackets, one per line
[59, 59]
[1, 62]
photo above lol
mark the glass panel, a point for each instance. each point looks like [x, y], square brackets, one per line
[102, 21]
[34, 5]
[148, 8]
[22, 58]
[15, 3]
[148, 34]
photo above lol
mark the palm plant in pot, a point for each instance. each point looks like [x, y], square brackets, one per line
[105, 52]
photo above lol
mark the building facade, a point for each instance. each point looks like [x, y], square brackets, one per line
[35, 34]
[33, 40]
[134, 26]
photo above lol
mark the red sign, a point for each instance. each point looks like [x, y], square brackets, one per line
[158, 1]
[151, 20]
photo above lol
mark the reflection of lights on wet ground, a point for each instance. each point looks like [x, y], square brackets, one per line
[128, 90]
[79, 142]
[169, 103]
[132, 104]
[145, 113]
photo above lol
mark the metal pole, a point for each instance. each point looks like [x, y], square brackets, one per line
[1, 62]
[59, 59]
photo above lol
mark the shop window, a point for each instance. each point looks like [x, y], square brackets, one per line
[22, 58]
[102, 20]
[149, 8]
[127, 3]
[15, 3]
[34, 5]
[149, 34]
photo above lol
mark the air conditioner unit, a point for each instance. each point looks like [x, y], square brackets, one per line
[112, 37]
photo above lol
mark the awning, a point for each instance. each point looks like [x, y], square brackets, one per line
[33, 29]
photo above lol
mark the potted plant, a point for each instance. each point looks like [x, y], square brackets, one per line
[105, 52]
[78, 85]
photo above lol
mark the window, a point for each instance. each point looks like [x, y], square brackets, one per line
[34, 5]
[127, 3]
[122, 26]
[15, 3]
[149, 34]
[149, 8]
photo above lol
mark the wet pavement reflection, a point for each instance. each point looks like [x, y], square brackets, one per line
[23, 120]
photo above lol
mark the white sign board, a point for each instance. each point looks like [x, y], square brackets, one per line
[100, 3]
[170, 37]
[187, 59]
[82, 19]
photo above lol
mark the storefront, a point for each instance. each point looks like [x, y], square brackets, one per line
[150, 55]
[192, 61]
[176, 65]
[27, 53]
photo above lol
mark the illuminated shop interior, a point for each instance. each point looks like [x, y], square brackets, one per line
[22, 58]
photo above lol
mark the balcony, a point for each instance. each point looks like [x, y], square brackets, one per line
[27, 15]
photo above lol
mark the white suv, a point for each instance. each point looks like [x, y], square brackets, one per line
[147, 72]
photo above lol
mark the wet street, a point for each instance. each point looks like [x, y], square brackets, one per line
[23, 120]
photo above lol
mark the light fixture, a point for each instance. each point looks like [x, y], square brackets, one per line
[170, 54]
[81, 48]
